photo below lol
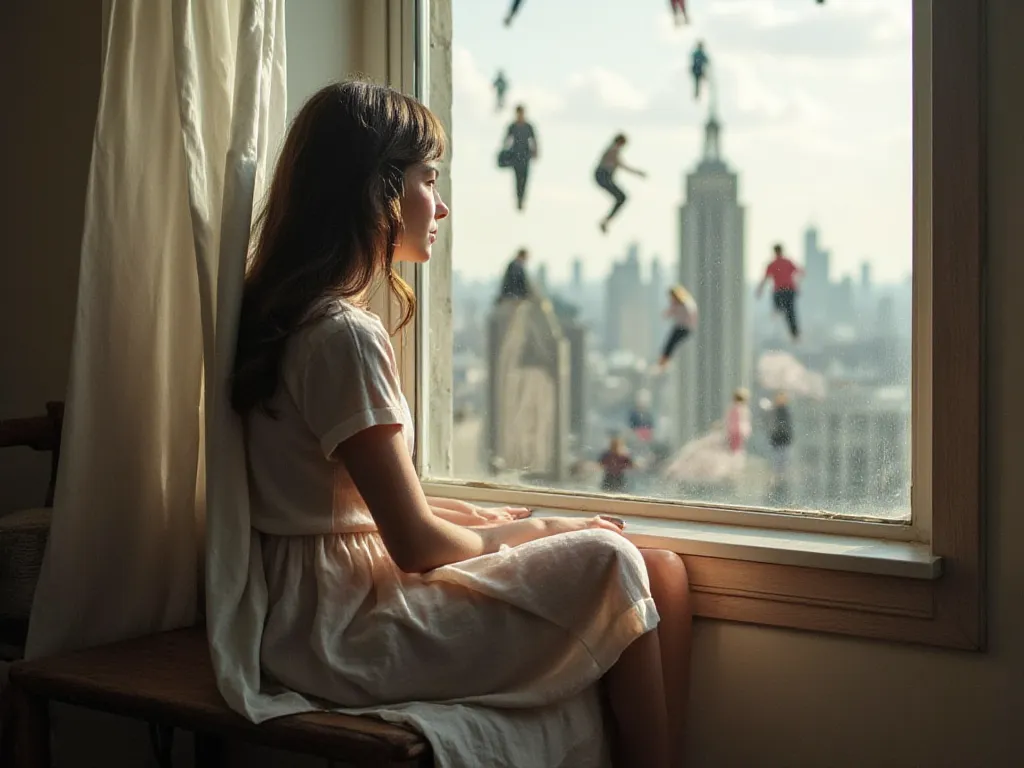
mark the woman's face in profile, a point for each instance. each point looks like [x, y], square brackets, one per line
[422, 209]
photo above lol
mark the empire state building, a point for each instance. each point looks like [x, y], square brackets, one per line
[715, 360]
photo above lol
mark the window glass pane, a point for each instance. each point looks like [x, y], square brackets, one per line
[629, 350]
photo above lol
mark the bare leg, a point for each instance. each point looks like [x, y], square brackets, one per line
[636, 695]
[670, 589]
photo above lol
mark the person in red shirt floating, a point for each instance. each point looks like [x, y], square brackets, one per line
[784, 275]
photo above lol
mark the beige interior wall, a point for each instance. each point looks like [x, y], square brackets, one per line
[50, 65]
[762, 697]
[324, 44]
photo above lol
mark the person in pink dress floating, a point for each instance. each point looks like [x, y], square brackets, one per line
[737, 421]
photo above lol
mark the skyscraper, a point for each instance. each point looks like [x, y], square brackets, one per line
[715, 361]
[816, 289]
[627, 321]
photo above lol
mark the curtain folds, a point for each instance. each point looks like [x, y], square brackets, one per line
[192, 109]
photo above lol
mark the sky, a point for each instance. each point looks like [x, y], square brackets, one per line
[814, 102]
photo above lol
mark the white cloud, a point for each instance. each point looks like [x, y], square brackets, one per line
[759, 14]
[794, 29]
[469, 82]
[608, 89]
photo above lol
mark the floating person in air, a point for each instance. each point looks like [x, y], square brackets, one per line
[780, 437]
[641, 420]
[519, 151]
[605, 176]
[699, 64]
[615, 462]
[737, 421]
[682, 311]
[516, 283]
[679, 12]
[785, 276]
[500, 87]
[512, 11]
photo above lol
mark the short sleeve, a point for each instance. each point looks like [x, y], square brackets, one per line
[349, 382]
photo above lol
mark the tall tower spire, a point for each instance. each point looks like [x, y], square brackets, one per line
[712, 128]
[712, 140]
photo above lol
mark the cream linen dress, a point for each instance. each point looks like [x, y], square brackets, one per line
[495, 658]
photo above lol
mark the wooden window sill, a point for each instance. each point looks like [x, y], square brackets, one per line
[779, 547]
[885, 590]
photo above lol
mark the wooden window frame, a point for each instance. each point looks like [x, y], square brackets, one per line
[946, 611]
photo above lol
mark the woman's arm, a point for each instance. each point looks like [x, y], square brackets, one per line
[379, 463]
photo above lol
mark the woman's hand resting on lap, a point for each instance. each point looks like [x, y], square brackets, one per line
[471, 516]
[488, 515]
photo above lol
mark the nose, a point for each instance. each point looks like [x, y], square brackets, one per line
[440, 209]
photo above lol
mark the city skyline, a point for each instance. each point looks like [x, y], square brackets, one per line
[805, 92]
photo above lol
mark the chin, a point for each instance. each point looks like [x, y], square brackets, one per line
[413, 257]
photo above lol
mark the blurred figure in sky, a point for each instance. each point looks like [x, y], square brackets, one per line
[682, 311]
[699, 63]
[611, 161]
[516, 283]
[780, 437]
[679, 12]
[785, 276]
[641, 420]
[737, 421]
[500, 86]
[615, 462]
[512, 11]
[519, 150]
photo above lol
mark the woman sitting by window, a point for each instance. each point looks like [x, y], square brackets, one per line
[379, 595]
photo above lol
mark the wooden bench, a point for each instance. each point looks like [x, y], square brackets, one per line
[167, 679]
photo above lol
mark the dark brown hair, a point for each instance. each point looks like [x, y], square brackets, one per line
[329, 223]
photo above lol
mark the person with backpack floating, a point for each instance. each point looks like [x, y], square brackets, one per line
[519, 150]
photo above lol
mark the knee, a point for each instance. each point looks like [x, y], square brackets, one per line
[614, 550]
[666, 570]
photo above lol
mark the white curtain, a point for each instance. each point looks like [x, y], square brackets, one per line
[192, 109]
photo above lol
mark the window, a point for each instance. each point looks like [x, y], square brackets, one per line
[801, 133]
[886, 394]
